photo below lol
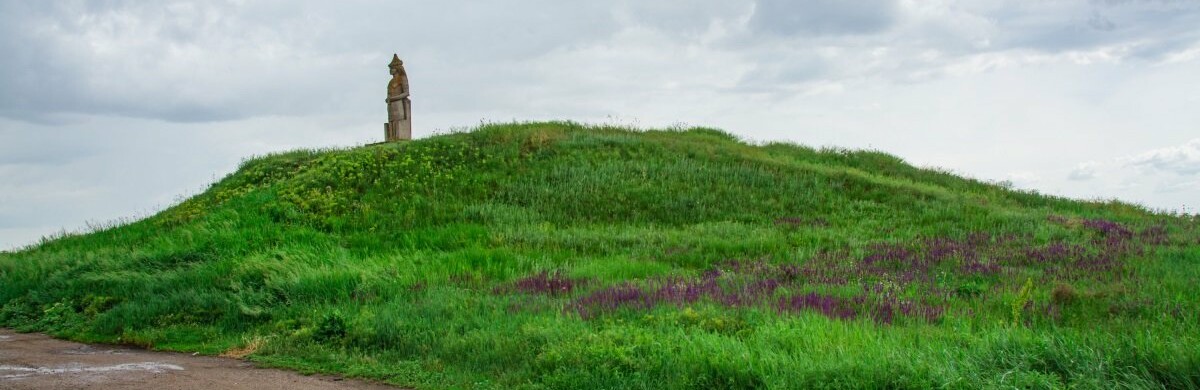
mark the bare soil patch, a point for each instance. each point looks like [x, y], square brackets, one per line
[36, 361]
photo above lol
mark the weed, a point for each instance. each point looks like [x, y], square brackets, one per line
[248, 348]
[1021, 301]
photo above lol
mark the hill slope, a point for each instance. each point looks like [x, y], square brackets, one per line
[565, 256]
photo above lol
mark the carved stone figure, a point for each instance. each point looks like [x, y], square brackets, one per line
[399, 107]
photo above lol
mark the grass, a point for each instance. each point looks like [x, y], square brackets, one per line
[558, 255]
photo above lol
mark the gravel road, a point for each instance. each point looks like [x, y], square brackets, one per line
[36, 361]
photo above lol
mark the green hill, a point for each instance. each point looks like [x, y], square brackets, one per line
[557, 255]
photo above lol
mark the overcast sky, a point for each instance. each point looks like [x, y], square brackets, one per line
[112, 109]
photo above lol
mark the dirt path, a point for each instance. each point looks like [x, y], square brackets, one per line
[36, 361]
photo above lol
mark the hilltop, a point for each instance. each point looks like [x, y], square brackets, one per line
[559, 255]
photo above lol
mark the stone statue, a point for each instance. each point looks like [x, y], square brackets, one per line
[399, 107]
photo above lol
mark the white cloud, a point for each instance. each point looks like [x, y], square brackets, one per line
[1169, 186]
[1181, 160]
[1023, 179]
[1084, 171]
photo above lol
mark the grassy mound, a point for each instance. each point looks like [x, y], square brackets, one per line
[555, 255]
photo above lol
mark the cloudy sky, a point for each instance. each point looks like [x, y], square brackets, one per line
[112, 109]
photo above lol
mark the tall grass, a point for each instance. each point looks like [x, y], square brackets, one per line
[557, 255]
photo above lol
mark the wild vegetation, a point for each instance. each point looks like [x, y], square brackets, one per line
[557, 255]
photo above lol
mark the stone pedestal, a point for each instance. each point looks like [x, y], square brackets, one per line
[399, 126]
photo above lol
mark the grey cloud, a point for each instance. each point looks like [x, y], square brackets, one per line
[470, 30]
[169, 61]
[48, 147]
[1052, 27]
[781, 72]
[685, 18]
[214, 61]
[823, 17]
[916, 43]
[1099, 22]
[1060, 26]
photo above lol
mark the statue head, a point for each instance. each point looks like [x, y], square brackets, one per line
[396, 64]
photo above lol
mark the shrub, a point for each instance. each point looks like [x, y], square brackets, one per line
[332, 327]
[1063, 294]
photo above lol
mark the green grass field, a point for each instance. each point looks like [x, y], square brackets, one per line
[558, 255]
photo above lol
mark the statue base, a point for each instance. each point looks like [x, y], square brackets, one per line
[397, 131]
